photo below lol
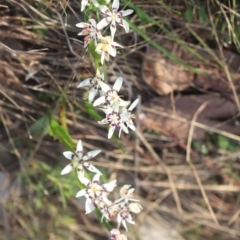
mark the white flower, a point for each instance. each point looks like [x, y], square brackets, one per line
[125, 216]
[114, 120]
[85, 3]
[113, 17]
[127, 115]
[79, 159]
[89, 29]
[94, 84]
[95, 192]
[109, 210]
[106, 47]
[111, 97]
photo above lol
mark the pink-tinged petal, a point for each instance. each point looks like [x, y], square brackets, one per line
[106, 56]
[105, 10]
[81, 193]
[104, 86]
[113, 29]
[89, 206]
[103, 23]
[69, 155]
[133, 105]
[118, 84]
[99, 101]
[81, 176]
[115, 4]
[91, 168]
[79, 146]
[84, 83]
[110, 186]
[126, 12]
[124, 24]
[68, 168]
[82, 25]
[91, 154]
[96, 177]
[123, 127]
[110, 132]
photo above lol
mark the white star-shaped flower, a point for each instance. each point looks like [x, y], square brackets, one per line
[106, 47]
[113, 17]
[127, 115]
[114, 120]
[78, 160]
[94, 84]
[90, 30]
[111, 97]
[95, 193]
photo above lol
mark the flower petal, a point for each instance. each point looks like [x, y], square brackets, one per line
[96, 177]
[123, 24]
[92, 94]
[133, 105]
[85, 83]
[104, 9]
[110, 186]
[131, 125]
[89, 206]
[69, 155]
[123, 127]
[80, 171]
[79, 146]
[118, 84]
[91, 168]
[103, 23]
[81, 193]
[82, 25]
[115, 4]
[104, 86]
[113, 29]
[91, 154]
[110, 132]
[93, 22]
[99, 101]
[126, 12]
[68, 169]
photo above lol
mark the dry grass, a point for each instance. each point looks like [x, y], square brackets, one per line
[42, 62]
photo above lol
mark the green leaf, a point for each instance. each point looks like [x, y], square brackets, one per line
[57, 131]
[39, 127]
